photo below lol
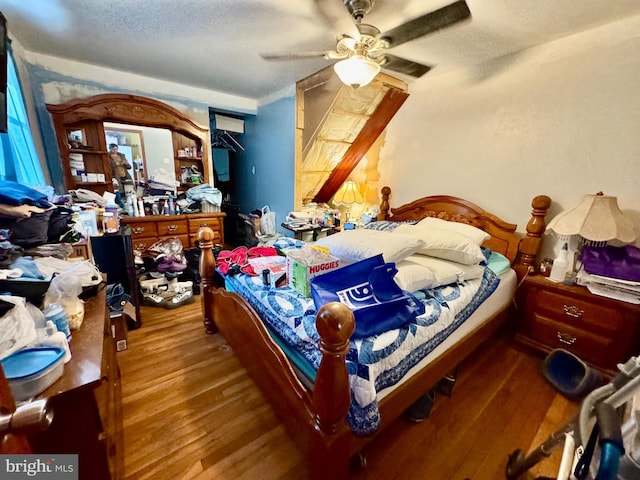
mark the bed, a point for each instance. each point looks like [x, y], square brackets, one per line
[316, 415]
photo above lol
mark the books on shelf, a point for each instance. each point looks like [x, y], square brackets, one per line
[76, 164]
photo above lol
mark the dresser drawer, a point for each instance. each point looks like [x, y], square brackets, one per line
[143, 229]
[172, 228]
[217, 238]
[142, 244]
[214, 223]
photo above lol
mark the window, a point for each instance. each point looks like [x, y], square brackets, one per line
[18, 159]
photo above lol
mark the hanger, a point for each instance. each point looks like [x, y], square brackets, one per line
[218, 141]
[233, 140]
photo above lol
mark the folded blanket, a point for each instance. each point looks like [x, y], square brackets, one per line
[13, 193]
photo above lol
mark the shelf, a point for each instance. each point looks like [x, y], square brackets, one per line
[189, 159]
[90, 183]
[82, 150]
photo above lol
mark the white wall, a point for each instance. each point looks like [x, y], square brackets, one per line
[562, 119]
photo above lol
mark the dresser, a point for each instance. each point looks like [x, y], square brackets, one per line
[599, 330]
[145, 231]
[87, 400]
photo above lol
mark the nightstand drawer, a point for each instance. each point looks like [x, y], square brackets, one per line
[576, 312]
[588, 345]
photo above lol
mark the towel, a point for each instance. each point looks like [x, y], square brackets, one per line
[221, 163]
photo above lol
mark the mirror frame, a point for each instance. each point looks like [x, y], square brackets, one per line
[132, 110]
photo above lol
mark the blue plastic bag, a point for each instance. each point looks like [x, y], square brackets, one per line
[368, 289]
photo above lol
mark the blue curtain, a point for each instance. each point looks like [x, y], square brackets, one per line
[18, 159]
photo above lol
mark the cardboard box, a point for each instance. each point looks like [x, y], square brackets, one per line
[302, 267]
[119, 330]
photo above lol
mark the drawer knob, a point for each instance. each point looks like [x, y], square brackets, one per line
[566, 338]
[138, 229]
[172, 228]
[572, 311]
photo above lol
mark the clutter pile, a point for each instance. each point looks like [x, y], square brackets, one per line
[161, 267]
[42, 301]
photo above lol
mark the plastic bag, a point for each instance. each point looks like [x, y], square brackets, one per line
[17, 327]
[65, 290]
[267, 221]
[368, 289]
[170, 247]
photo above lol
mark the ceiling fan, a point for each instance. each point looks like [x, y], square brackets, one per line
[361, 55]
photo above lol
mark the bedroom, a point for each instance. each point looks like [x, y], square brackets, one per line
[563, 115]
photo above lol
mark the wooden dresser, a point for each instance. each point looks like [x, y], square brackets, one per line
[148, 230]
[87, 399]
[599, 330]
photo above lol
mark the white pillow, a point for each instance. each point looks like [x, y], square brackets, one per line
[412, 276]
[477, 235]
[445, 244]
[360, 244]
[447, 272]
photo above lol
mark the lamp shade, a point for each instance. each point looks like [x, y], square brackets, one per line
[596, 218]
[348, 194]
[357, 70]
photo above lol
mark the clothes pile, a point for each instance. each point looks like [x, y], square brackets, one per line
[30, 218]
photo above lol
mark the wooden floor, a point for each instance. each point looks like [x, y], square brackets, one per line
[191, 412]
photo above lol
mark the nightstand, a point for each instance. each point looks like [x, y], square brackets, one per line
[601, 331]
[313, 229]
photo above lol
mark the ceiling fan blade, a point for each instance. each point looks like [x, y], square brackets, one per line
[431, 22]
[334, 14]
[402, 65]
[294, 56]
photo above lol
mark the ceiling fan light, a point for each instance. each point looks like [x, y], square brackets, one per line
[356, 71]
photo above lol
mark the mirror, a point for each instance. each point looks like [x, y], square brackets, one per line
[76, 138]
[149, 150]
[161, 156]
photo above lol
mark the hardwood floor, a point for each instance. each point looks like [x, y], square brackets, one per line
[191, 412]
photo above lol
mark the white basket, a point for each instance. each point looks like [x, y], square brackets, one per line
[206, 207]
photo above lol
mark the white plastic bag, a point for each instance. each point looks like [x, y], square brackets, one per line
[17, 328]
[268, 221]
[65, 289]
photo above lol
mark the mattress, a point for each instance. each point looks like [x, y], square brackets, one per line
[497, 301]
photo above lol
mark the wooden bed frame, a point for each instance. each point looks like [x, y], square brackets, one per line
[317, 419]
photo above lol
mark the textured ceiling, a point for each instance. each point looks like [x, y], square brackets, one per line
[215, 44]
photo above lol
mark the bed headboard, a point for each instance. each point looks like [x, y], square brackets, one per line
[520, 249]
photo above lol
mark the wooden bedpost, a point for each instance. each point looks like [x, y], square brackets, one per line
[207, 269]
[384, 204]
[329, 447]
[530, 244]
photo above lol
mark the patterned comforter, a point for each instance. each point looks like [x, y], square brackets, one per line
[373, 363]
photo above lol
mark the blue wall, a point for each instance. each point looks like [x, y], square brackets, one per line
[270, 152]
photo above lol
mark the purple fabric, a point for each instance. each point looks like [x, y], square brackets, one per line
[616, 262]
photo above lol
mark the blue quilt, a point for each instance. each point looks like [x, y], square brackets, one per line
[373, 363]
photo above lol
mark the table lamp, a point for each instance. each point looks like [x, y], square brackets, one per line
[596, 220]
[347, 195]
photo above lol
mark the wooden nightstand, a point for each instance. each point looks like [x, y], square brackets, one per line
[601, 331]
